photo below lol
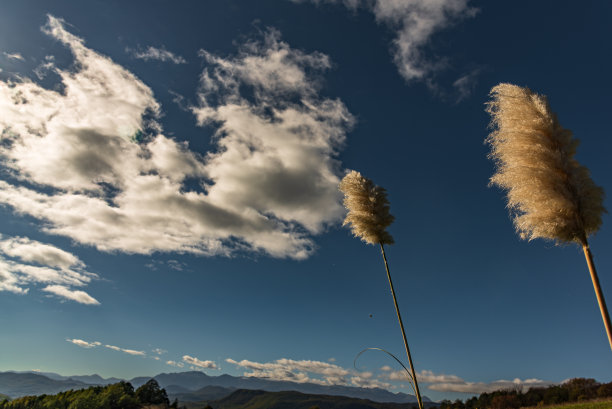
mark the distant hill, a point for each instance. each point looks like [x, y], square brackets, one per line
[21, 384]
[94, 379]
[195, 380]
[205, 394]
[254, 399]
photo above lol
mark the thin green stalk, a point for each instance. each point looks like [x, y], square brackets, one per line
[399, 318]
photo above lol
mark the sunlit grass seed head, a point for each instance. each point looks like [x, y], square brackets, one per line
[550, 195]
[368, 209]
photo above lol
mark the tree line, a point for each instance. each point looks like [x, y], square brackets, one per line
[120, 395]
[574, 390]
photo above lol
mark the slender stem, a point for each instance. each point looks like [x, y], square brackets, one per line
[399, 318]
[600, 297]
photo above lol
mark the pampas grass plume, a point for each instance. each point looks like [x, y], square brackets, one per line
[368, 216]
[550, 195]
[368, 209]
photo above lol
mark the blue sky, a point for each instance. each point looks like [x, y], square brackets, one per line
[168, 190]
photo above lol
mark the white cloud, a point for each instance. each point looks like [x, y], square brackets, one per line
[325, 373]
[424, 376]
[176, 364]
[25, 262]
[367, 382]
[76, 295]
[453, 383]
[84, 344]
[414, 22]
[201, 364]
[159, 351]
[154, 53]
[42, 69]
[13, 56]
[127, 351]
[306, 371]
[31, 251]
[91, 162]
[482, 387]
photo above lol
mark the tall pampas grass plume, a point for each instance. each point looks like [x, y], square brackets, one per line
[368, 209]
[368, 217]
[550, 195]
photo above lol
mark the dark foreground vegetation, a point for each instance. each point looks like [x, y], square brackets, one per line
[575, 390]
[120, 395]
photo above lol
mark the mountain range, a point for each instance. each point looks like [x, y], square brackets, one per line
[192, 386]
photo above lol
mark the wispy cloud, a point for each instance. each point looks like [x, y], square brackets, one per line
[127, 351]
[94, 344]
[200, 364]
[25, 262]
[157, 54]
[465, 84]
[84, 344]
[76, 295]
[92, 163]
[43, 68]
[415, 22]
[13, 56]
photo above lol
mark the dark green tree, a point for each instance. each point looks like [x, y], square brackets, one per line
[151, 393]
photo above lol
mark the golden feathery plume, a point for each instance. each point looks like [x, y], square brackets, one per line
[368, 209]
[368, 216]
[550, 195]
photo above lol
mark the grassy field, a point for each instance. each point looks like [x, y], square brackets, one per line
[605, 404]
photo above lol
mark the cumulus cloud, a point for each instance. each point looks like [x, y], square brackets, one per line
[325, 373]
[91, 162]
[453, 383]
[307, 371]
[482, 387]
[13, 56]
[158, 54]
[414, 23]
[127, 351]
[25, 262]
[175, 364]
[84, 344]
[200, 364]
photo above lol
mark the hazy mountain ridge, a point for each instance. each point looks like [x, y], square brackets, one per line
[257, 399]
[188, 386]
[16, 384]
[195, 380]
